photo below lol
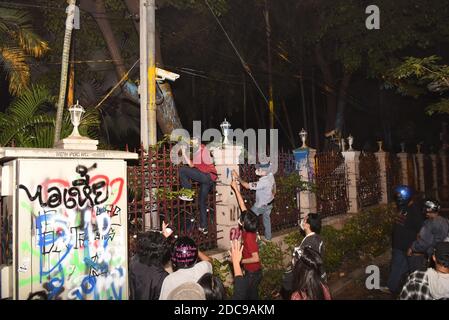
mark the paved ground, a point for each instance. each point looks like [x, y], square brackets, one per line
[356, 289]
[351, 285]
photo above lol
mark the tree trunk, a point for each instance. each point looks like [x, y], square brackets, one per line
[314, 112]
[329, 87]
[167, 114]
[64, 71]
[342, 92]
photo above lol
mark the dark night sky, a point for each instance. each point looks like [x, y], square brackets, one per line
[195, 41]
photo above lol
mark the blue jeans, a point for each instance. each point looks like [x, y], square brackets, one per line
[185, 175]
[265, 211]
[254, 279]
[400, 267]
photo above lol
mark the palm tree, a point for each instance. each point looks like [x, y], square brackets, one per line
[30, 120]
[64, 70]
[17, 42]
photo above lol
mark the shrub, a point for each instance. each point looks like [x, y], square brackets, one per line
[271, 256]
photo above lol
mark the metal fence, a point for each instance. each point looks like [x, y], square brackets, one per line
[5, 233]
[153, 181]
[285, 213]
[369, 191]
[428, 177]
[331, 183]
[411, 171]
[394, 173]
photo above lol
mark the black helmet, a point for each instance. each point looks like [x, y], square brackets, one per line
[432, 205]
[402, 195]
[185, 253]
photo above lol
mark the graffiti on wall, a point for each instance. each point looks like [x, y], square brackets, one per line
[77, 236]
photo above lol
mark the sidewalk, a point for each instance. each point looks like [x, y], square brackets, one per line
[352, 286]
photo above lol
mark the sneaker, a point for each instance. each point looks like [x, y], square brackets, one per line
[185, 198]
[203, 231]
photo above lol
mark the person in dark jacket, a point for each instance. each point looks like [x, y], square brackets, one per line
[408, 221]
[146, 267]
[435, 229]
[311, 226]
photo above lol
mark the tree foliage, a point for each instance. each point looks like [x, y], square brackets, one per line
[18, 41]
[414, 74]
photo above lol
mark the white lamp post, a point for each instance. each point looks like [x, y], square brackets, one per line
[303, 136]
[225, 128]
[380, 143]
[76, 114]
[403, 147]
[350, 142]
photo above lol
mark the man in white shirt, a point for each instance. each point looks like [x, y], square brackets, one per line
[265, 191]
[184, 260]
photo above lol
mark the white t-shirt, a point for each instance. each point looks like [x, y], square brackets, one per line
[175, 279]
[265, 190]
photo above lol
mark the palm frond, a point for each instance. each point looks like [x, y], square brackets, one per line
[13, 61]
[8, 133]
[29, 102]
[31, 43]
[16, 25]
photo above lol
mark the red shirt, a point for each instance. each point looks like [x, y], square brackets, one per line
[203, 162]
[250, 246]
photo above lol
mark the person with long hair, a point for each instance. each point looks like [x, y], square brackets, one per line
[212, 286]
[307, 281]
[250, 253]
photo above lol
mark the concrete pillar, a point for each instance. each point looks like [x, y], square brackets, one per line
[226, 158]
[382, 160]
[352, 166]
[433, 157]
[403, 158]
[307, 199]
[420, 170]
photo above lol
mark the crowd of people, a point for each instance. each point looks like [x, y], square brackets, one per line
[165, 268]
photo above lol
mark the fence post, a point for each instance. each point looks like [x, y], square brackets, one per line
[403, 158]
[433, 157]
[444, 166]
[382, 160]
[307, 199]
[226, 159]
[420, 185]
[352, 164]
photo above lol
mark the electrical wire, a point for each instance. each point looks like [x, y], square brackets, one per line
[99, 15]
[125, 76]
[248, 70]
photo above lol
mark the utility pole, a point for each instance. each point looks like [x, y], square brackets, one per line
[148, 124]
[270, 76]
[71, 93]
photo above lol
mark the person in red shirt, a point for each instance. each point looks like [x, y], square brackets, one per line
[251, 260]
[201, 170]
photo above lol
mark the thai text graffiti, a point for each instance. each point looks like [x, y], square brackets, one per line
[86, 190]
[78, 242]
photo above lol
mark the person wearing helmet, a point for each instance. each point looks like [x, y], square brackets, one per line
[184, 260]
[435, 229]
[408, 222]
